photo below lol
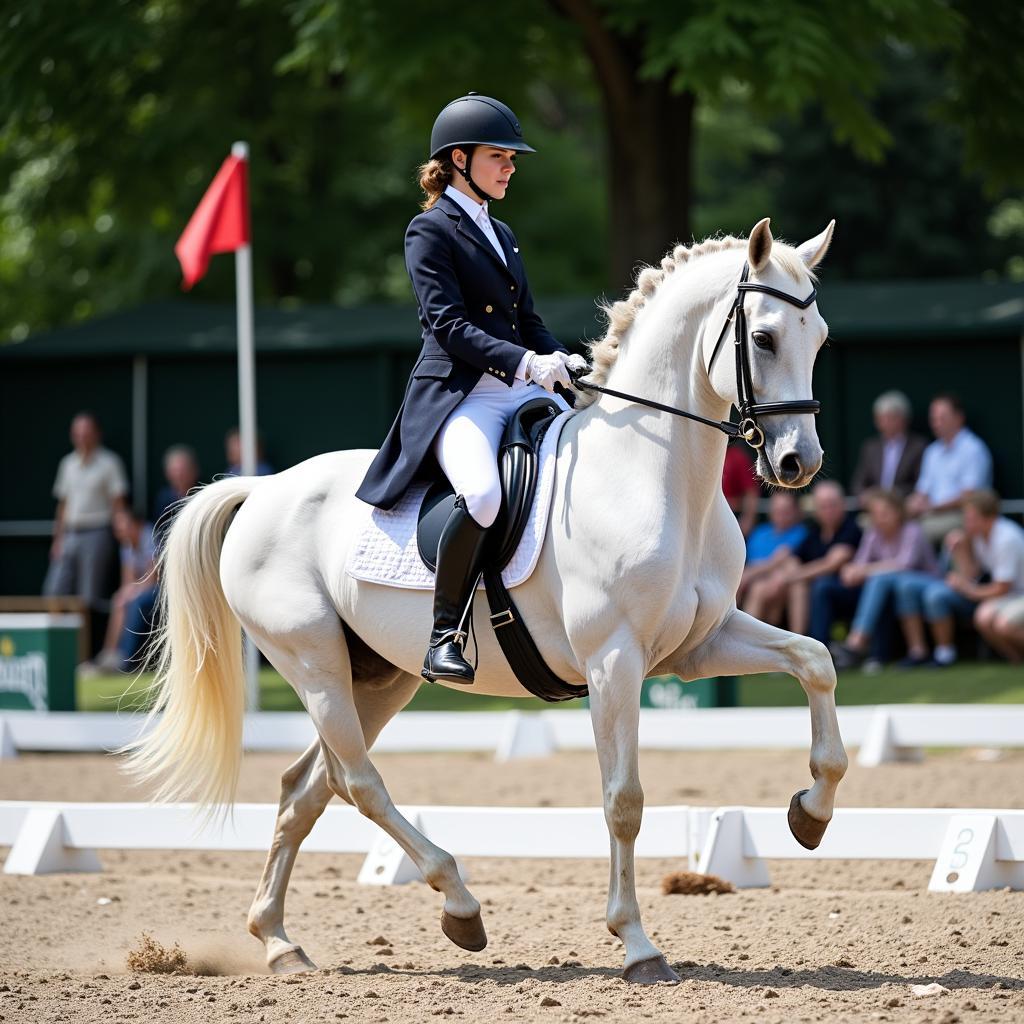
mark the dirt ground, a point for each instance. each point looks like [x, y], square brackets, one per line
[836, 941]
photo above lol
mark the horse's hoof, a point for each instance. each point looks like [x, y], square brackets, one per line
[291, 961]
[467, 932]
[650, 972]
[807, 831]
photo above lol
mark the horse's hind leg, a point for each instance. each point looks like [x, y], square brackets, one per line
[304, 795]
[315, 659]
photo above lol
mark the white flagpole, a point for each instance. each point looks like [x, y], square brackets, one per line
[246, 405]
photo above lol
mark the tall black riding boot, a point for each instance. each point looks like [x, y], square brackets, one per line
[459, 563]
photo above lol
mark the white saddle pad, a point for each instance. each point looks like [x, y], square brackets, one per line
[386, 551]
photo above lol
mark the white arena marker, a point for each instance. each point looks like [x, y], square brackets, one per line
[880, 743]
[726, 850]
[7, 747]
[39, 847]
[525, 735]
[969, 860]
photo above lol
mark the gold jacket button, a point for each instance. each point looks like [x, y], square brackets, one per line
[515, 305]
[503, 373]
[488, 309]
[511, 287]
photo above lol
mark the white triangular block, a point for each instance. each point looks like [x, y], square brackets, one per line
[880, 743]
[7, 747]
[39, 847]
[968, 860]
[525, 735]
[724, 851]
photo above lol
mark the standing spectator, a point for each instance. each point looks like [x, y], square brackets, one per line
[831, 541]
[988, 545]
[891, 546]
[771, 543]
[740, 486]
[90, 487]
[181, 470]
[132, 604]
[892, 459]
[956, 462]
[233, 453]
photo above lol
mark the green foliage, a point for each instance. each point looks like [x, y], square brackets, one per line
[115, 114]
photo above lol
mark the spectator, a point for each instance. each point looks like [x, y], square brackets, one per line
[956, 462]
[892, 460]
[771, 543]
[233, 453]
[890, 547]
[831, 542]
[988, 545]
[90, 487]
[740, 486]
[181, 470]
[133, 602]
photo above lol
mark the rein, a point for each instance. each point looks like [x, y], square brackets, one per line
[748, 428]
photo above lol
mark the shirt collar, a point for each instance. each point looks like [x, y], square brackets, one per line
[471, 206]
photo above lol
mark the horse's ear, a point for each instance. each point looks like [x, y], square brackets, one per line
[759, 248]
[812, 252]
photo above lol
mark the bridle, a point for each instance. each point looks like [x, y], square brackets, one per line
[748, 428]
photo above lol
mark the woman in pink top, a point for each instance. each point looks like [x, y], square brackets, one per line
[892, 547]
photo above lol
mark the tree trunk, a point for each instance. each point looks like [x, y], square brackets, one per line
[649, 184]
[650, 148]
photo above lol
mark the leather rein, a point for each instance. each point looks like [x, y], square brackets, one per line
[748, 428]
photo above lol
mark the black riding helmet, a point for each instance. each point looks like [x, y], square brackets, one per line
[474, 120]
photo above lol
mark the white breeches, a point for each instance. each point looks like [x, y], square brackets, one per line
[467, 443]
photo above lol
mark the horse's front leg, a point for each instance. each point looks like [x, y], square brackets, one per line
[614, 677]
[746, 645]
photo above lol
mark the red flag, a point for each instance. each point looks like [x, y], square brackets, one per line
[220, 223]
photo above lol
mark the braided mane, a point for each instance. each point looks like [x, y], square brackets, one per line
[622, 314]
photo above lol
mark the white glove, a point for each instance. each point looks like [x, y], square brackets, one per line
[577, 363]
[549, 370]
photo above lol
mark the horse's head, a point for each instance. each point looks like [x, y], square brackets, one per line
[782, 341]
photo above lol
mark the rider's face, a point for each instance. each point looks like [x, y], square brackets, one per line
[492, 169]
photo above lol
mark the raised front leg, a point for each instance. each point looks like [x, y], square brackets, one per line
[745, 645]
[615, 677]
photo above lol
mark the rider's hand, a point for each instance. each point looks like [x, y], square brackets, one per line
[549, 370]
[577, 364]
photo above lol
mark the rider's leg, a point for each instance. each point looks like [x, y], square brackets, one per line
[466, 449]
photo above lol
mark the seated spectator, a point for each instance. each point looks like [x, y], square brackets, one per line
[890, 547]
[988, 546]
[956, 462]
[233, 453]
[132, 604]
[771, 543]
[831, 541]
[740, 486]
[181, 470]
[892, 460]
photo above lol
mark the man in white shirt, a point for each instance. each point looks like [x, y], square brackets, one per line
[90, 486]
[997, 545]
[956, 462]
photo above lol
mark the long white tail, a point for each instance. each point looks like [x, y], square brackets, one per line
[192, 746]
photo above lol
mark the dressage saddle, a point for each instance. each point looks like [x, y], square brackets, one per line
[518, 469]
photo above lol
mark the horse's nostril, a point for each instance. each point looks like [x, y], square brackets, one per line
[790, 467]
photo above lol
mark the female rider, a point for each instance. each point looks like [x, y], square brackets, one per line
[485, 352]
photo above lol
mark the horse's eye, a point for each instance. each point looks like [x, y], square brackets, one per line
[763, 340]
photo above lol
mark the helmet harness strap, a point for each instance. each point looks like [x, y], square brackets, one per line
[465, 172]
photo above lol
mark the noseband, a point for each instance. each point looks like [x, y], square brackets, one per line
[748, 427]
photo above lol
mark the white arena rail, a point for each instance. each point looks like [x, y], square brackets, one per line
[972, 849]
[883, 733]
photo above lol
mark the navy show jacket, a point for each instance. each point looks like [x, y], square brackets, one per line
[477, 317]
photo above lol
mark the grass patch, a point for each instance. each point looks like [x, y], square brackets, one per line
[967, 683]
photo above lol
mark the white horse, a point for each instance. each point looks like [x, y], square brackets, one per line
[637, 577]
